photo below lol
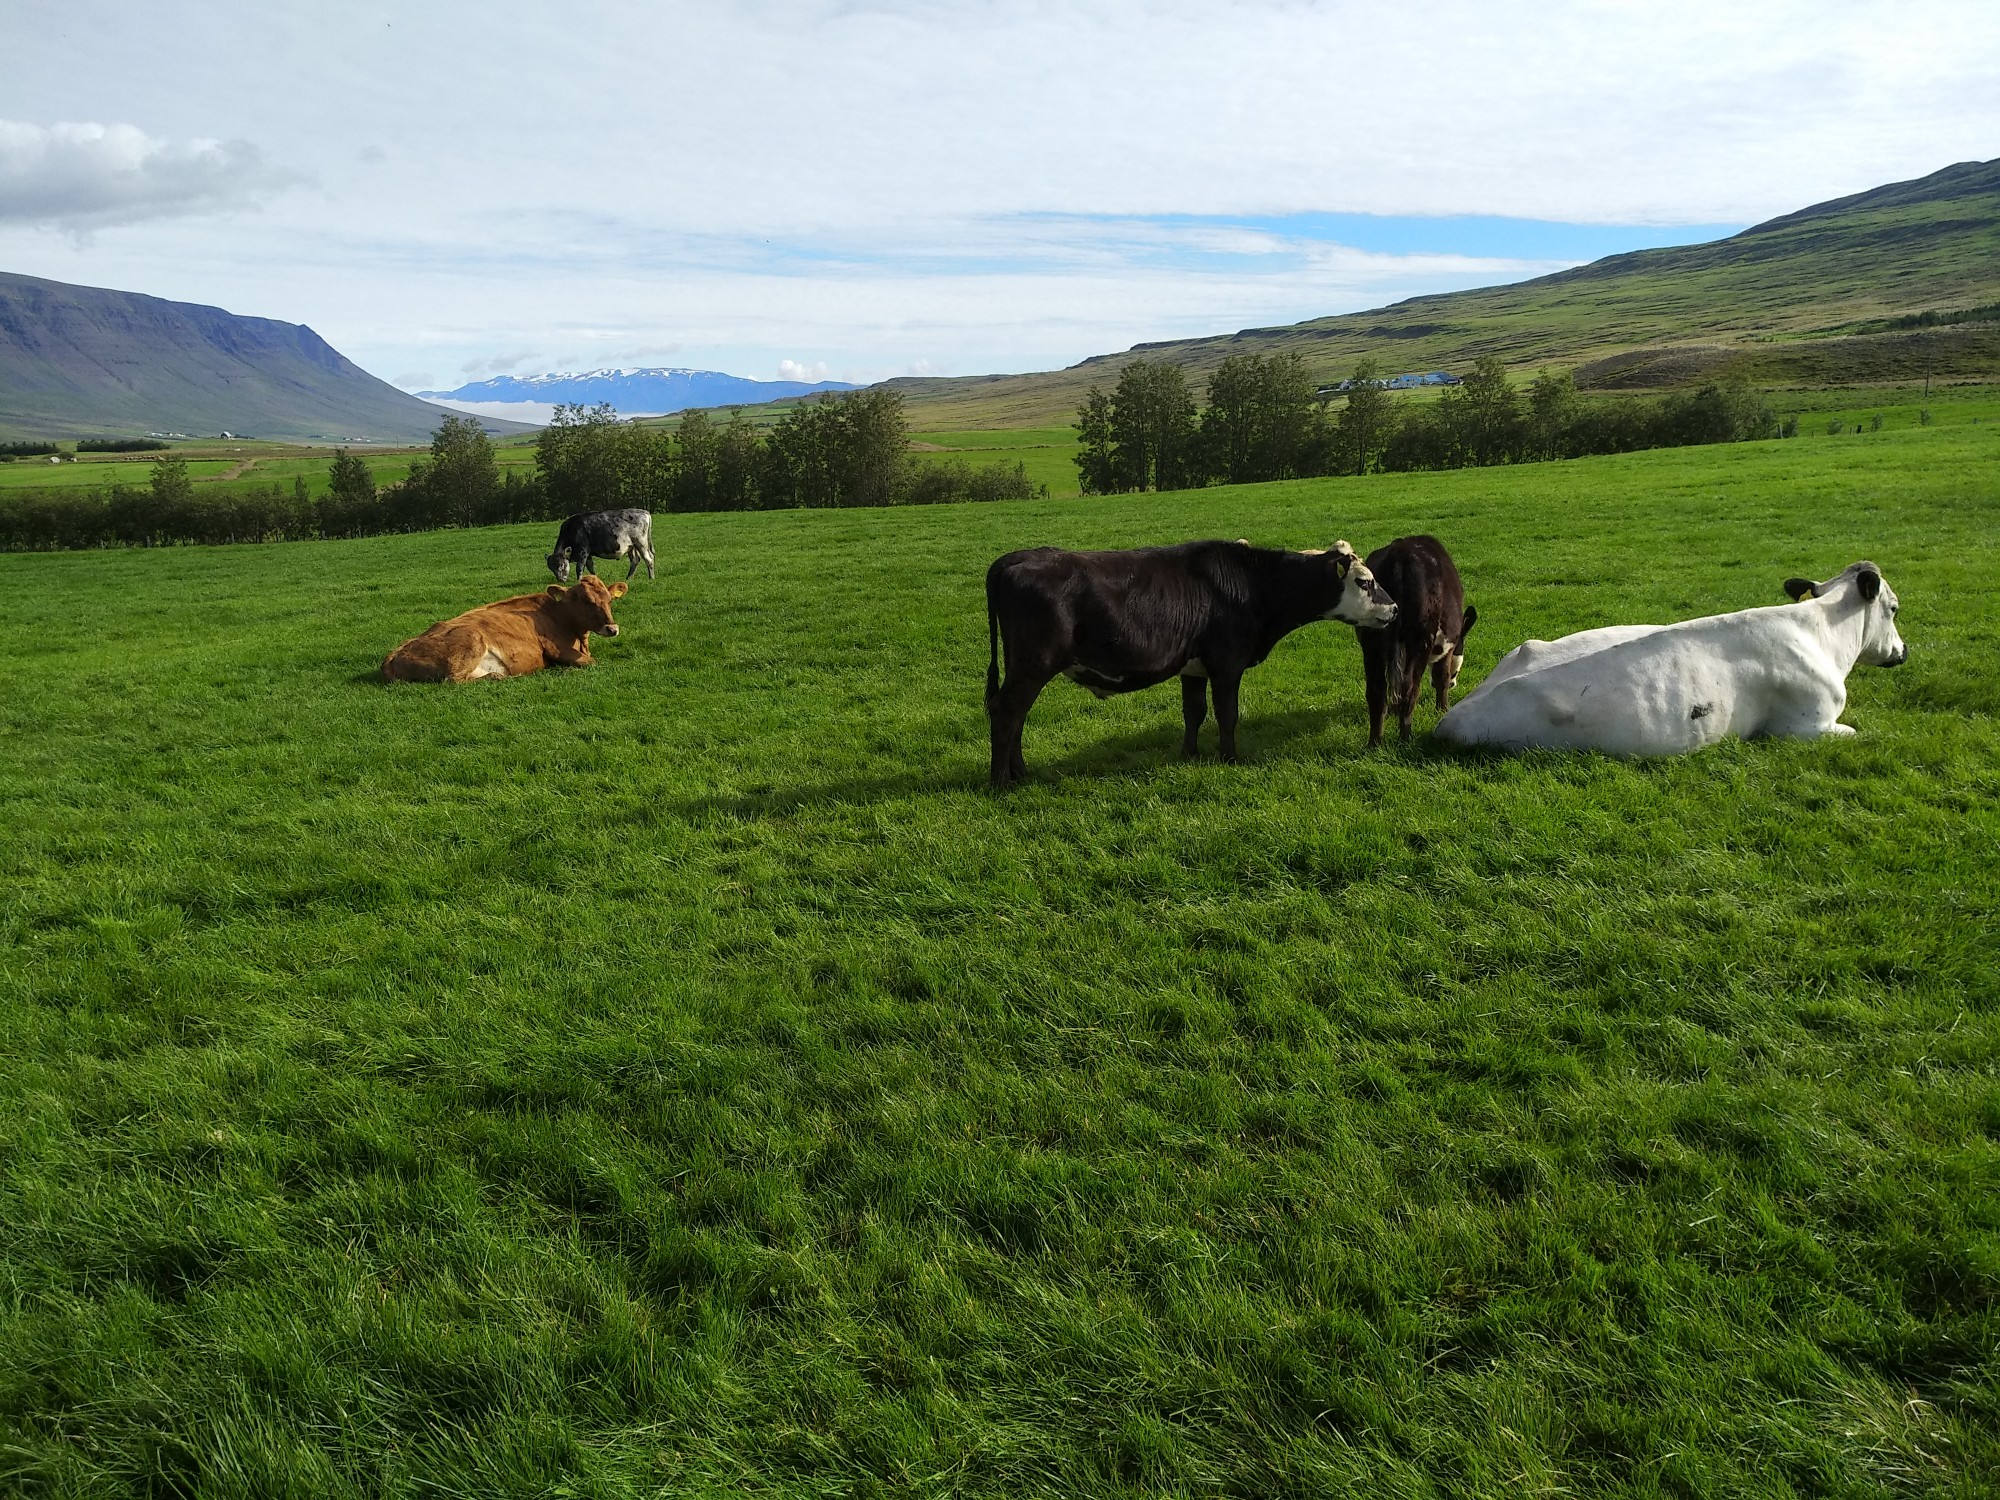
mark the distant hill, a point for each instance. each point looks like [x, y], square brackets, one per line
[80, 361]
[1811, 298]
[647, 392]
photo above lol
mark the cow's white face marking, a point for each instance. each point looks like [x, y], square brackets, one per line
[1362, 601]
[1454, 664]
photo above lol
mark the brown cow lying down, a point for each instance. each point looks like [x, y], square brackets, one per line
[511, 638]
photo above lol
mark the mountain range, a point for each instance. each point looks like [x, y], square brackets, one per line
[1897, 284]
[1889, 285]
[652, 392]
[80, 361]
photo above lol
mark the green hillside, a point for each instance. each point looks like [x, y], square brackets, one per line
[1783, 302]
[78, 361]
[682, 1077]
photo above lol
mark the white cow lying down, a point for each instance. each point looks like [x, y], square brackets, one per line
[1664, 689]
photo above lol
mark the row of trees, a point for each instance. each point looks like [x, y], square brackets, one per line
[1266, 420]
[850, 450]
[845, 451]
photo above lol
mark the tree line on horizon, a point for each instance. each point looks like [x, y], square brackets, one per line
[1267, 419]
[844, 450]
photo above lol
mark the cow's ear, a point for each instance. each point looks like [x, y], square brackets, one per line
[1798, 588]
[618, 590]
[1465, 625]
[1869, 582]
[557, 591]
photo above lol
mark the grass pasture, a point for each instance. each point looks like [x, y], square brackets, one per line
[681, 1075]
[1047, 453]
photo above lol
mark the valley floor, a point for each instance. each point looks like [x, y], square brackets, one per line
[683, 1076]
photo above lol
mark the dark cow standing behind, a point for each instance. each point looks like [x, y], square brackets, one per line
[592, 534]
[1429, 630]
[1119, 621]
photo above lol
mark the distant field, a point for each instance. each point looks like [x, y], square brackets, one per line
[1047, 453]
[258, 465]
[681, 1076]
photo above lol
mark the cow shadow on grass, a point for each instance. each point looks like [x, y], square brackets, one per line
[1121, 758]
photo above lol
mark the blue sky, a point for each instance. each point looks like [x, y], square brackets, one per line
[863, 188]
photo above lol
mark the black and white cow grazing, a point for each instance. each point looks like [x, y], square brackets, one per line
[1429, 630]
[592, 534]
[1664, 689]
[1115, 622]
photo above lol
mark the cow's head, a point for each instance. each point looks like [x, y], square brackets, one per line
[558, 561]
[1864, 584]
[589, 603]
[1361, 600]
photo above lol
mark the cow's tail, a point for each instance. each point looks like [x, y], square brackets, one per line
[992, 653]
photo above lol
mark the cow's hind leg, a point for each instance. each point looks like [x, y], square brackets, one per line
[1441, 681]
[467, 657]
[1194, 709]
[1224, 686]
[1007, 715]
[1412, 683]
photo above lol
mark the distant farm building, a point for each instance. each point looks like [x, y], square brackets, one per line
[1397, 382]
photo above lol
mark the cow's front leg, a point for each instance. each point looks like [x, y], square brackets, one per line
[1224, 685]
[1194, 709]
[1376, 670]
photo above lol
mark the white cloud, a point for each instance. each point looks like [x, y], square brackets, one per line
[495, 364]
[869, 184]
[87, 176]
[791, 369]
[534, 413]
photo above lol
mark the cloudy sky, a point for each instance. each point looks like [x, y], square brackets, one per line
[846, 189]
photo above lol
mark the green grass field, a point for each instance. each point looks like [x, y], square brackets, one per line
[1047, 453]
[682, 1076]
[257, 464]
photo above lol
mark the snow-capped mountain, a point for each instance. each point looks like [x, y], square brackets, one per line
[633, 392]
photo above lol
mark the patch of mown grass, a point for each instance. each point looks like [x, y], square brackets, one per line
[1047, 453]
[682, 1075]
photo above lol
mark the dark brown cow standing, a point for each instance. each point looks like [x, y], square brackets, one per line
[1429, 630]
[1116, 622]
